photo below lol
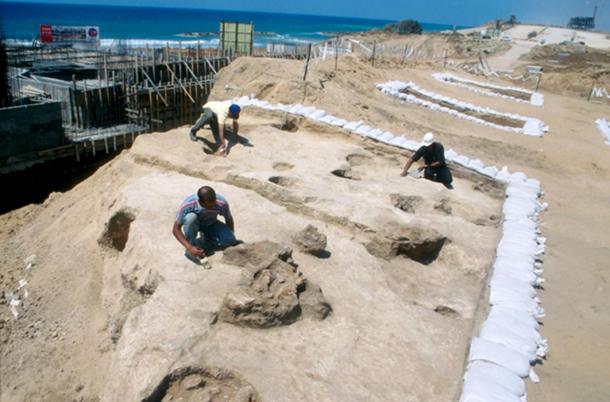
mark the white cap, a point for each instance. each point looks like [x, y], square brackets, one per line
[428, 139]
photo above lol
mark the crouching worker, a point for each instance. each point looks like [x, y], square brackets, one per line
[216, 114]
[434, 168]
[198, 214]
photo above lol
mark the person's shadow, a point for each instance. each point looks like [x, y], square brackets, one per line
[232, 139]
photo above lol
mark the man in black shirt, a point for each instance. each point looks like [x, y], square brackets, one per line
[435, 168]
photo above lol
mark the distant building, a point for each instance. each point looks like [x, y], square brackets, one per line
[584, 23]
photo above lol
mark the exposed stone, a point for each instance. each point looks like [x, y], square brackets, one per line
[193, 381]
[255, 254]
[444, 205]
[313, 302]
[311, 241]
[273, 292]
[420, 244]
[407, 203]
[196, 384]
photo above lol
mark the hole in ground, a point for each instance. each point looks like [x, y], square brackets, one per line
[492, 118]
[445, 311]
[345, 174]
[282, 181]
[116, 232]
[417, 243]
[290, 124]
[283, 166]
[203, 384]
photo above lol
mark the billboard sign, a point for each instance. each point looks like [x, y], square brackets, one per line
[62, 34]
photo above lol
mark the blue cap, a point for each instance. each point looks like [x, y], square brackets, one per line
[234, 110]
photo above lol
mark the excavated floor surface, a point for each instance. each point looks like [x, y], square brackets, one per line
[386, 312]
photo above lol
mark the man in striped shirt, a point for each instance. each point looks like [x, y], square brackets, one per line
[198, 214]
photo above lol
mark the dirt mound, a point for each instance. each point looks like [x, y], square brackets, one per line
[571, 69]
[273, 291]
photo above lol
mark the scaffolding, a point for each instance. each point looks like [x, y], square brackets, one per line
[109, 97]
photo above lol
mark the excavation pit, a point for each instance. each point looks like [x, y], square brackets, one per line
[116, 232]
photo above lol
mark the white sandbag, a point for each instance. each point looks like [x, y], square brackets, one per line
[353, 125]
[513, 335]
[491, 376]
[475, 164]
[497, 375]
[531, 307]
[490, 171]
[502, 279]
[480, 391]
[363, 130]
[493, 352]
[527, 276]
[526, 320]
[537, 99]
[386, 137]
[398, 142]
[450, 155]
[338, 122]
[503, 175]
[462, 160]
[305, 111]
[518, 177]
[374, 133]
[533, 127]
[317, 114]
[295, 109]
[412, 145]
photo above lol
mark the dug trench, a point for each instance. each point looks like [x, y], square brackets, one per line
[515, 93]
[492, 118]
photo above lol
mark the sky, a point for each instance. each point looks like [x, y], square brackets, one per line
[459, 12]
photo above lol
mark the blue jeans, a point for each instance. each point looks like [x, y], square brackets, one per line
[217, 234]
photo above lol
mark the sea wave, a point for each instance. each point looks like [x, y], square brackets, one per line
[158, 43]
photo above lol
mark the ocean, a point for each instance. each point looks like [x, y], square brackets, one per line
[158, 26]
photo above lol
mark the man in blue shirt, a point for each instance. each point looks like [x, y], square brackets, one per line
[435, 168]
[198, 214]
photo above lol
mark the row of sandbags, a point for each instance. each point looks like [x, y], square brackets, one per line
[604, 127]
[531, 126]
[509, 342]
[536, 98]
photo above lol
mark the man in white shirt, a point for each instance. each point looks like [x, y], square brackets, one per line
[215, 114]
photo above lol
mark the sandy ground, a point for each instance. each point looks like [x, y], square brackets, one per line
[84, 333]
[554, 35]
[521, 44]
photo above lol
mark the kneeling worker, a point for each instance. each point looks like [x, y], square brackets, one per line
[198, 214]
[435, 168]
[215, 114]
